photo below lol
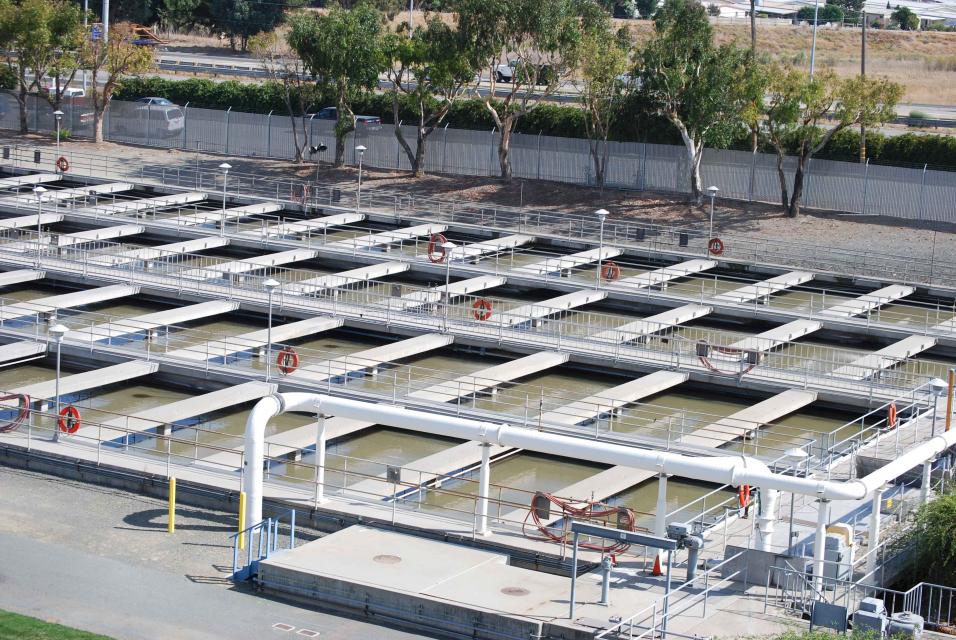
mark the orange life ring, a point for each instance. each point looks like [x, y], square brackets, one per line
[891, 415]
[287, 360]
[610, 271]
[69, 420]
[743, 495]
[715, 246]
[482, 309]
[63, 164]
[436, 252]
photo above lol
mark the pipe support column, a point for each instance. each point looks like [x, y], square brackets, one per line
[927, 481]
[320, 459]
[484, 484]
[767, 518]
[660, 516]
[874, 527]
[819, 543]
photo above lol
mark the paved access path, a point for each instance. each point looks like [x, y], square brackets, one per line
[100, 560]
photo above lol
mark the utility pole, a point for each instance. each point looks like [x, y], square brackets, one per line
[106, 22]
[863, 75]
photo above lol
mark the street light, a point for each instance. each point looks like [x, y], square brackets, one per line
[225, 166]
[798, 455]
[712, 191]
[813, 47]
[358, 196]
[38, 191]
[57, 332]
[602, 216]
[939, 389]
[59, 116]
[447, 246]
[270, 285]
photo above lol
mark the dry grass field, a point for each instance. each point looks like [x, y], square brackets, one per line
[925, 62]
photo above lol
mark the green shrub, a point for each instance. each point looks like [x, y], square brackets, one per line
[932, 542]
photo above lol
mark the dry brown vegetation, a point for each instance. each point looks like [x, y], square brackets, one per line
[925, 62]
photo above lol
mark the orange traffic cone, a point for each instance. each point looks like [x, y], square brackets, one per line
[657, 565]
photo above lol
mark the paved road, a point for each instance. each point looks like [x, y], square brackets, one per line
[100, 560]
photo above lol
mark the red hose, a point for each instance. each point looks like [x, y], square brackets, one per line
[588, 510]
[22, 414]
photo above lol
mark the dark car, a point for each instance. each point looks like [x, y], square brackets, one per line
[371, 123]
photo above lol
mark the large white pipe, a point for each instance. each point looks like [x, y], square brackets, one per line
[730, 470]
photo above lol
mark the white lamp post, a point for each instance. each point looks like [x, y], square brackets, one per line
[225, 166]
[57, 332]
[712, 192]
[813, 47]
[38, 191]
[358, 195]
[602, 216]
[59, 116]
[447, 247]
[798, 455]
[270, 285]
[939, 389]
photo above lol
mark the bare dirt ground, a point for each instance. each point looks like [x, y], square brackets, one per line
[838, 231]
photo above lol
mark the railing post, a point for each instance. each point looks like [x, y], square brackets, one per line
[228, 111]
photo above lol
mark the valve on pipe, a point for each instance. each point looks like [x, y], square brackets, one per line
[683, 534]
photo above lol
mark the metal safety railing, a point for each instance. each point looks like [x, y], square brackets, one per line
[809, 302]
[260, 541]
[793, 364]
[646, 236]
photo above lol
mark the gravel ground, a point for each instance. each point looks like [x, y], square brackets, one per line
[883, 235]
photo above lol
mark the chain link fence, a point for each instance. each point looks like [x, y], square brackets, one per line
[917, 194]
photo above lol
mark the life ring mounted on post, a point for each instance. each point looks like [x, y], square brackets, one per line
[287, 360]
[715, 246]
[482, 309]
[436, 248]
[610, 271]
[63, 164]
[891, 415]
[69, 419]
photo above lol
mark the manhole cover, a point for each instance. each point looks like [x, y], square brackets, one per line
[515, 591]
[387, 559]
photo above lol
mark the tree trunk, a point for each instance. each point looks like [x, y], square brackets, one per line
[600, 161]
[694, 155]
[339, 148]
[794, 209]
[696, 185]
[22, 104]
[504, 147]
[418, 166]
[97, 124]
[784, 195]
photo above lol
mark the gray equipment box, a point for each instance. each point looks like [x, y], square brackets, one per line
[906, 624]
[871, 616]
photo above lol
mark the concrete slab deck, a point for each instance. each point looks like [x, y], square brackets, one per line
[869, 301]
[305, 226]
[181, 410]
[384, 238]
[237, 267]
[27, 199]
[66, 301]
[346, 278]
[373, 358]
[21, 350]
[21, 222]
[104, 233]
[8, 278]
[659, 277]
[564, 264]
[31, 178]
[652, 324]
[142, 204]
[149, 321]
[766, 287]
[870, 364]
[545, 308]
[460, 288]
[772, 338]
[216, 216]
[478, 249]
[162, 251]
[86, 380]
[257, 339]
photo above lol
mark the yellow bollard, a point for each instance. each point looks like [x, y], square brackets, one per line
[949, 399]
[242, 519]
[171, 528]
